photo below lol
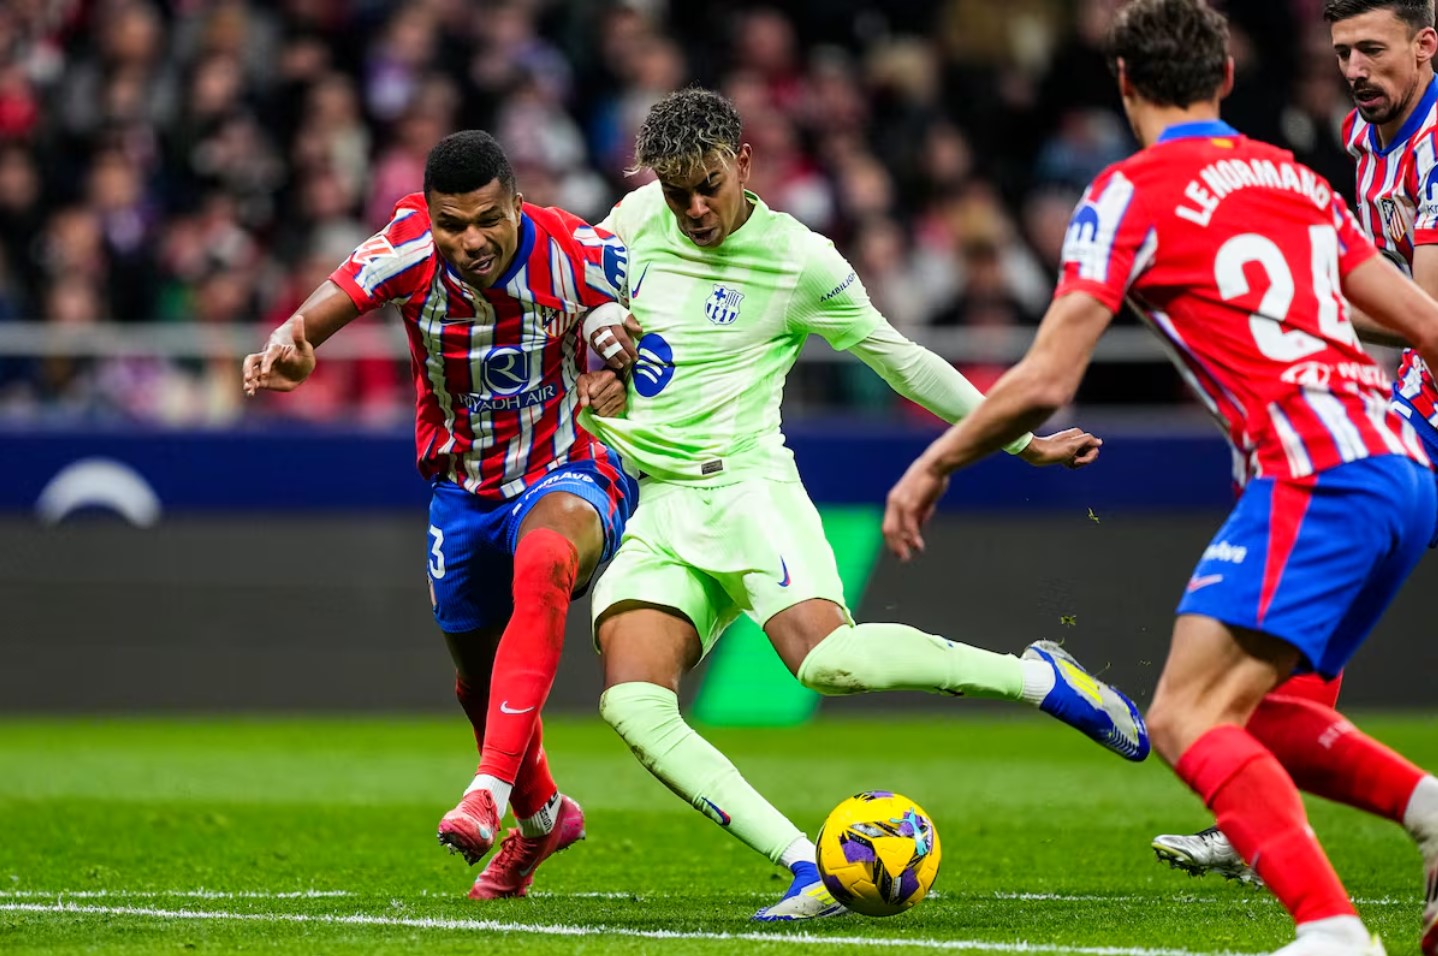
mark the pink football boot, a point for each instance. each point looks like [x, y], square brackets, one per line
[512, 870]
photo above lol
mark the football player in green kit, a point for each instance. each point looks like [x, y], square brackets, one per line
[725, 291]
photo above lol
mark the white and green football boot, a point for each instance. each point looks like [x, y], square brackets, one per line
[806, 898]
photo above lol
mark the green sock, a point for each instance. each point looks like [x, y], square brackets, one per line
[647, 717]
[870, 657]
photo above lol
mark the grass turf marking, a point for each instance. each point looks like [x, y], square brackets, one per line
[615, 895]
[538, 929]
[201, 894]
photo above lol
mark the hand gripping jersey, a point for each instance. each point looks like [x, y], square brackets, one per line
[494, 369]
[1398, 208]
[1234, 252]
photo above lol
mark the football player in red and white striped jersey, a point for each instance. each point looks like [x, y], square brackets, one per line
[1385, 49]
[1241, 259]
[525, 505]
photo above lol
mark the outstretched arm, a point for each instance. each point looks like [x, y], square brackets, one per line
[288, 357]
[1044, 381]
[922, 377]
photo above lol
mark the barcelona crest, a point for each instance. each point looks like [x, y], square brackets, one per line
[722, 306]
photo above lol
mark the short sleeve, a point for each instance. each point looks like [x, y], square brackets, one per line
[610, 223]
[606, 266]
[830, 300]
[1354, 246]
[1425, 169]
[391, 265]
[1110, 242]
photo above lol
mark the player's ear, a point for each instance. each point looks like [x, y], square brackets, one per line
[518, 202]
[742, 163]
[1227, 86]
[1125, 86]
[1426, 44]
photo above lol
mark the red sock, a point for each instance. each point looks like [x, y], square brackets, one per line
[534, 786]
[1311, 687]
[1259, 810]
[475, 701]
[545, 566]
[1329, 757]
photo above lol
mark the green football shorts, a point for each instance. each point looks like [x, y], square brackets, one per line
[756, 546]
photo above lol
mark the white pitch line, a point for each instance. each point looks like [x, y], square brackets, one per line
[535, 929]
[1131, 898]
[188, 894]
[615, 895]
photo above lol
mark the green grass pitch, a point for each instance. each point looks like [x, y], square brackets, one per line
[317, 836]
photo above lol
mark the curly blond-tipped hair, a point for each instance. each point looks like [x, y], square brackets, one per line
[683, 131]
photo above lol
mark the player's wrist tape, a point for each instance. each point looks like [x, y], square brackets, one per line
[607, 344]
[600, 319]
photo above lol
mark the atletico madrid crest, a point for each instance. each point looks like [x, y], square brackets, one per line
[1391, 218]
[557, 322]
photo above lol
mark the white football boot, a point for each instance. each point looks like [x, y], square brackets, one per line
[1207, 851]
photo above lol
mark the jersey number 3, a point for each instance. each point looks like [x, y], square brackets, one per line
[1268, 324]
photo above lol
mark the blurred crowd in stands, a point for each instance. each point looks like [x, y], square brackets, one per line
[210, 161]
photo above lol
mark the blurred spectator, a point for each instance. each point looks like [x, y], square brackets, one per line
[21, 219]
[399, 169]
[1046, 216]
[334, 138]
[209, 161]
[764, 45]
[993, 261]
[19, 109]
[1313, 122]
[127, 76]
[399, 60]
[124, 217]
[61, 381]
[647, 66]
[510, 54]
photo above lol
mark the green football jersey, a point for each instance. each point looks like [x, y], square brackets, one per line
[722, 328]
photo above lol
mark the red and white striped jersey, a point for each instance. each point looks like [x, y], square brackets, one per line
[494, 369]
[1398, 208]
[1235, 252]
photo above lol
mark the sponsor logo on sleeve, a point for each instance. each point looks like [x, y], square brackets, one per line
[841, 288]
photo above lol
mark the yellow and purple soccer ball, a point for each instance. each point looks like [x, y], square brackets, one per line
[878, 853]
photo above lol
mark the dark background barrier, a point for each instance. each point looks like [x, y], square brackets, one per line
[276, 612]
[1186, 466]
[287, 570]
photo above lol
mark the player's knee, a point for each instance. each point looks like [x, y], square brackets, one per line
[636, 708]
[546, 558]
[1167, 728]
[827, 668]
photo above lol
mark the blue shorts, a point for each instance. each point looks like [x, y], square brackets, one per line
[472, 539]
[1315, 561]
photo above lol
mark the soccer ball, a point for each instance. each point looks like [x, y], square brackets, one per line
[878, 853]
